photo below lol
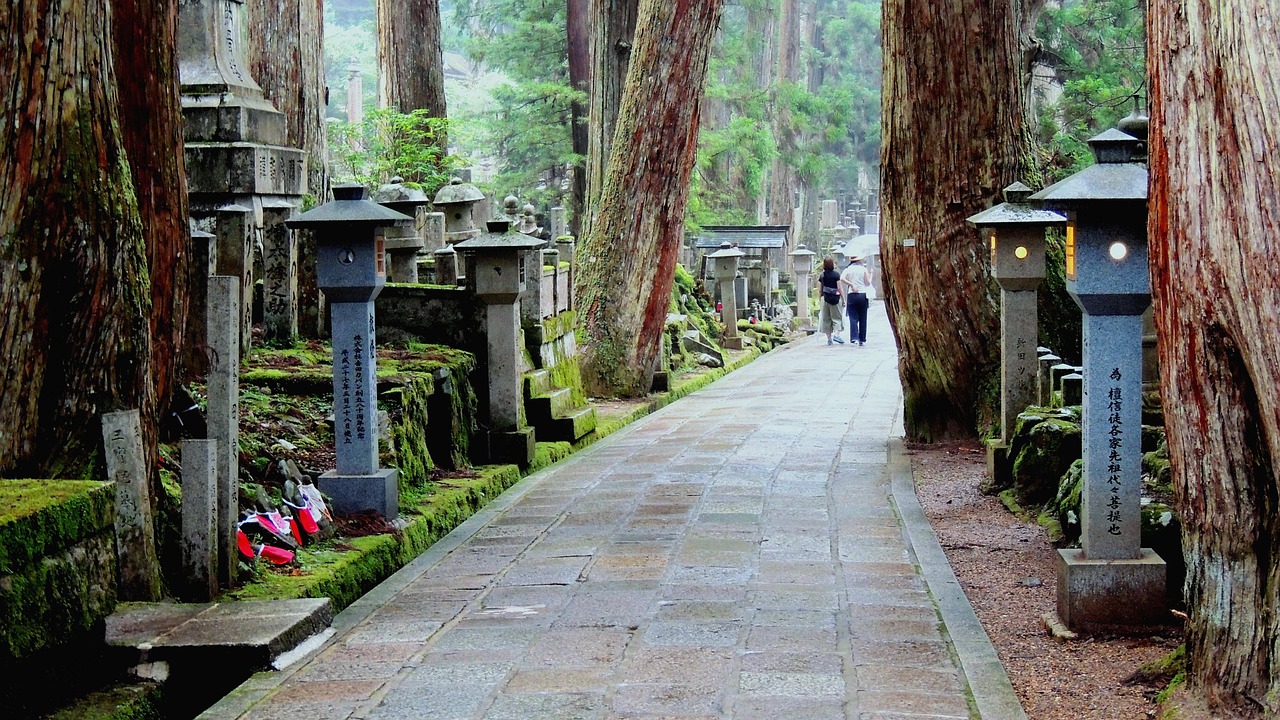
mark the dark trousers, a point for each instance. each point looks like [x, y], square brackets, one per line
[856, 307]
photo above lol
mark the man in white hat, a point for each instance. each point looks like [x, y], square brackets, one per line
[856, 281]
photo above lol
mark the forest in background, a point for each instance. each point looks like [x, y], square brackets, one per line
[800, 97]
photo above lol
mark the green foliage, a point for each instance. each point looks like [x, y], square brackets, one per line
[389, 143]
[827, 130]
[1098, 48]
[521, 117]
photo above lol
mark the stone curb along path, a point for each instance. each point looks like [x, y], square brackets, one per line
[754, 550]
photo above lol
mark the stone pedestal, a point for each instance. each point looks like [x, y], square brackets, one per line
[999, 463]
[1018, 361]
[403, 252]
[135, 533]
[433, 231]
[802, 296]
[502, 324]
[446, 266]
[224, 412]
[559, 223]
[1099, 593]
[378, 491]
[729, 315]
[199, 520]
[1112, 437]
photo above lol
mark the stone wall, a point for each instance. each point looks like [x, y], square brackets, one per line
[434, 314]
[57, 563]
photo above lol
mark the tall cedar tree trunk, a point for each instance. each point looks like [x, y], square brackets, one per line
[578, 30]
[613, 25]
[1215, 244]
[410, 61]
[782, 184]
[954, 135]
[811, 207]
[629, 259]
[75, 337]
[151, 129]
[286, 57]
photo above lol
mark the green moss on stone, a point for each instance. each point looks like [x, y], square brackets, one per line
[1045, 453]
[39, 517]
[143, 701]
[346, 574]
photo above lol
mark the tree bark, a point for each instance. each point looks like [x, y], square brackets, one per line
[75, 335]
[613, 24]
[953, 135]
[410, 61]
[782, 186]
[144, 33]
[578, 29]
[1215, 241]
[628, 260]
[286, 57]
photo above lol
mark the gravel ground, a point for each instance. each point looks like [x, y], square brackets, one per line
[1006, 567]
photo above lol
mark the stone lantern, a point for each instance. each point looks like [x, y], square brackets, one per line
[351, 270]
[802, 268]
[499, 257]
[402, 241]
[1111, 579]
[1015, 231]
[724, 267]
[457, 201]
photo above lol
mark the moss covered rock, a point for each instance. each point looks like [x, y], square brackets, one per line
[1046, 452]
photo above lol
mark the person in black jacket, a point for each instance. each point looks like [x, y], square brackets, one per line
[831, 314]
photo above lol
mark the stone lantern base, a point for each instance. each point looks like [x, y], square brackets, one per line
[379, 492]
[999, 464]
[1097, 593]
[516, 447]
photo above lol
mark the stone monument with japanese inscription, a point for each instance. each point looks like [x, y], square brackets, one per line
[235, 141]
[351, 270]
[1111, 579]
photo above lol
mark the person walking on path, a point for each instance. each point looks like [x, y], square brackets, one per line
[855, 282]
[830, 315]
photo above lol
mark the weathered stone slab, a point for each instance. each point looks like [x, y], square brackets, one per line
[200, 519]
[223, 413]
[135, 531]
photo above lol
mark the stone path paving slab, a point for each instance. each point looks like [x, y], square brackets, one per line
[754, 550]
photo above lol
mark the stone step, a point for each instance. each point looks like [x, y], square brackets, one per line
[542, 409]
[570, 428]
[252, 634]
[537, 383]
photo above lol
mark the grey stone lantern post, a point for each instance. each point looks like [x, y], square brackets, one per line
[1015, 230]
[351, 270]
[457, 201]
[1112, 579]
[499, 258]
[725, 268]
[802, 268]
[402, 241]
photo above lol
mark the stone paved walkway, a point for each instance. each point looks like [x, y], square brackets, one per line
[739, 554]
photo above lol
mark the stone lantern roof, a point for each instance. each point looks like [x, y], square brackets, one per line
[348, 206]
[457, 193]
[1015, 210]
[1119, 175]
